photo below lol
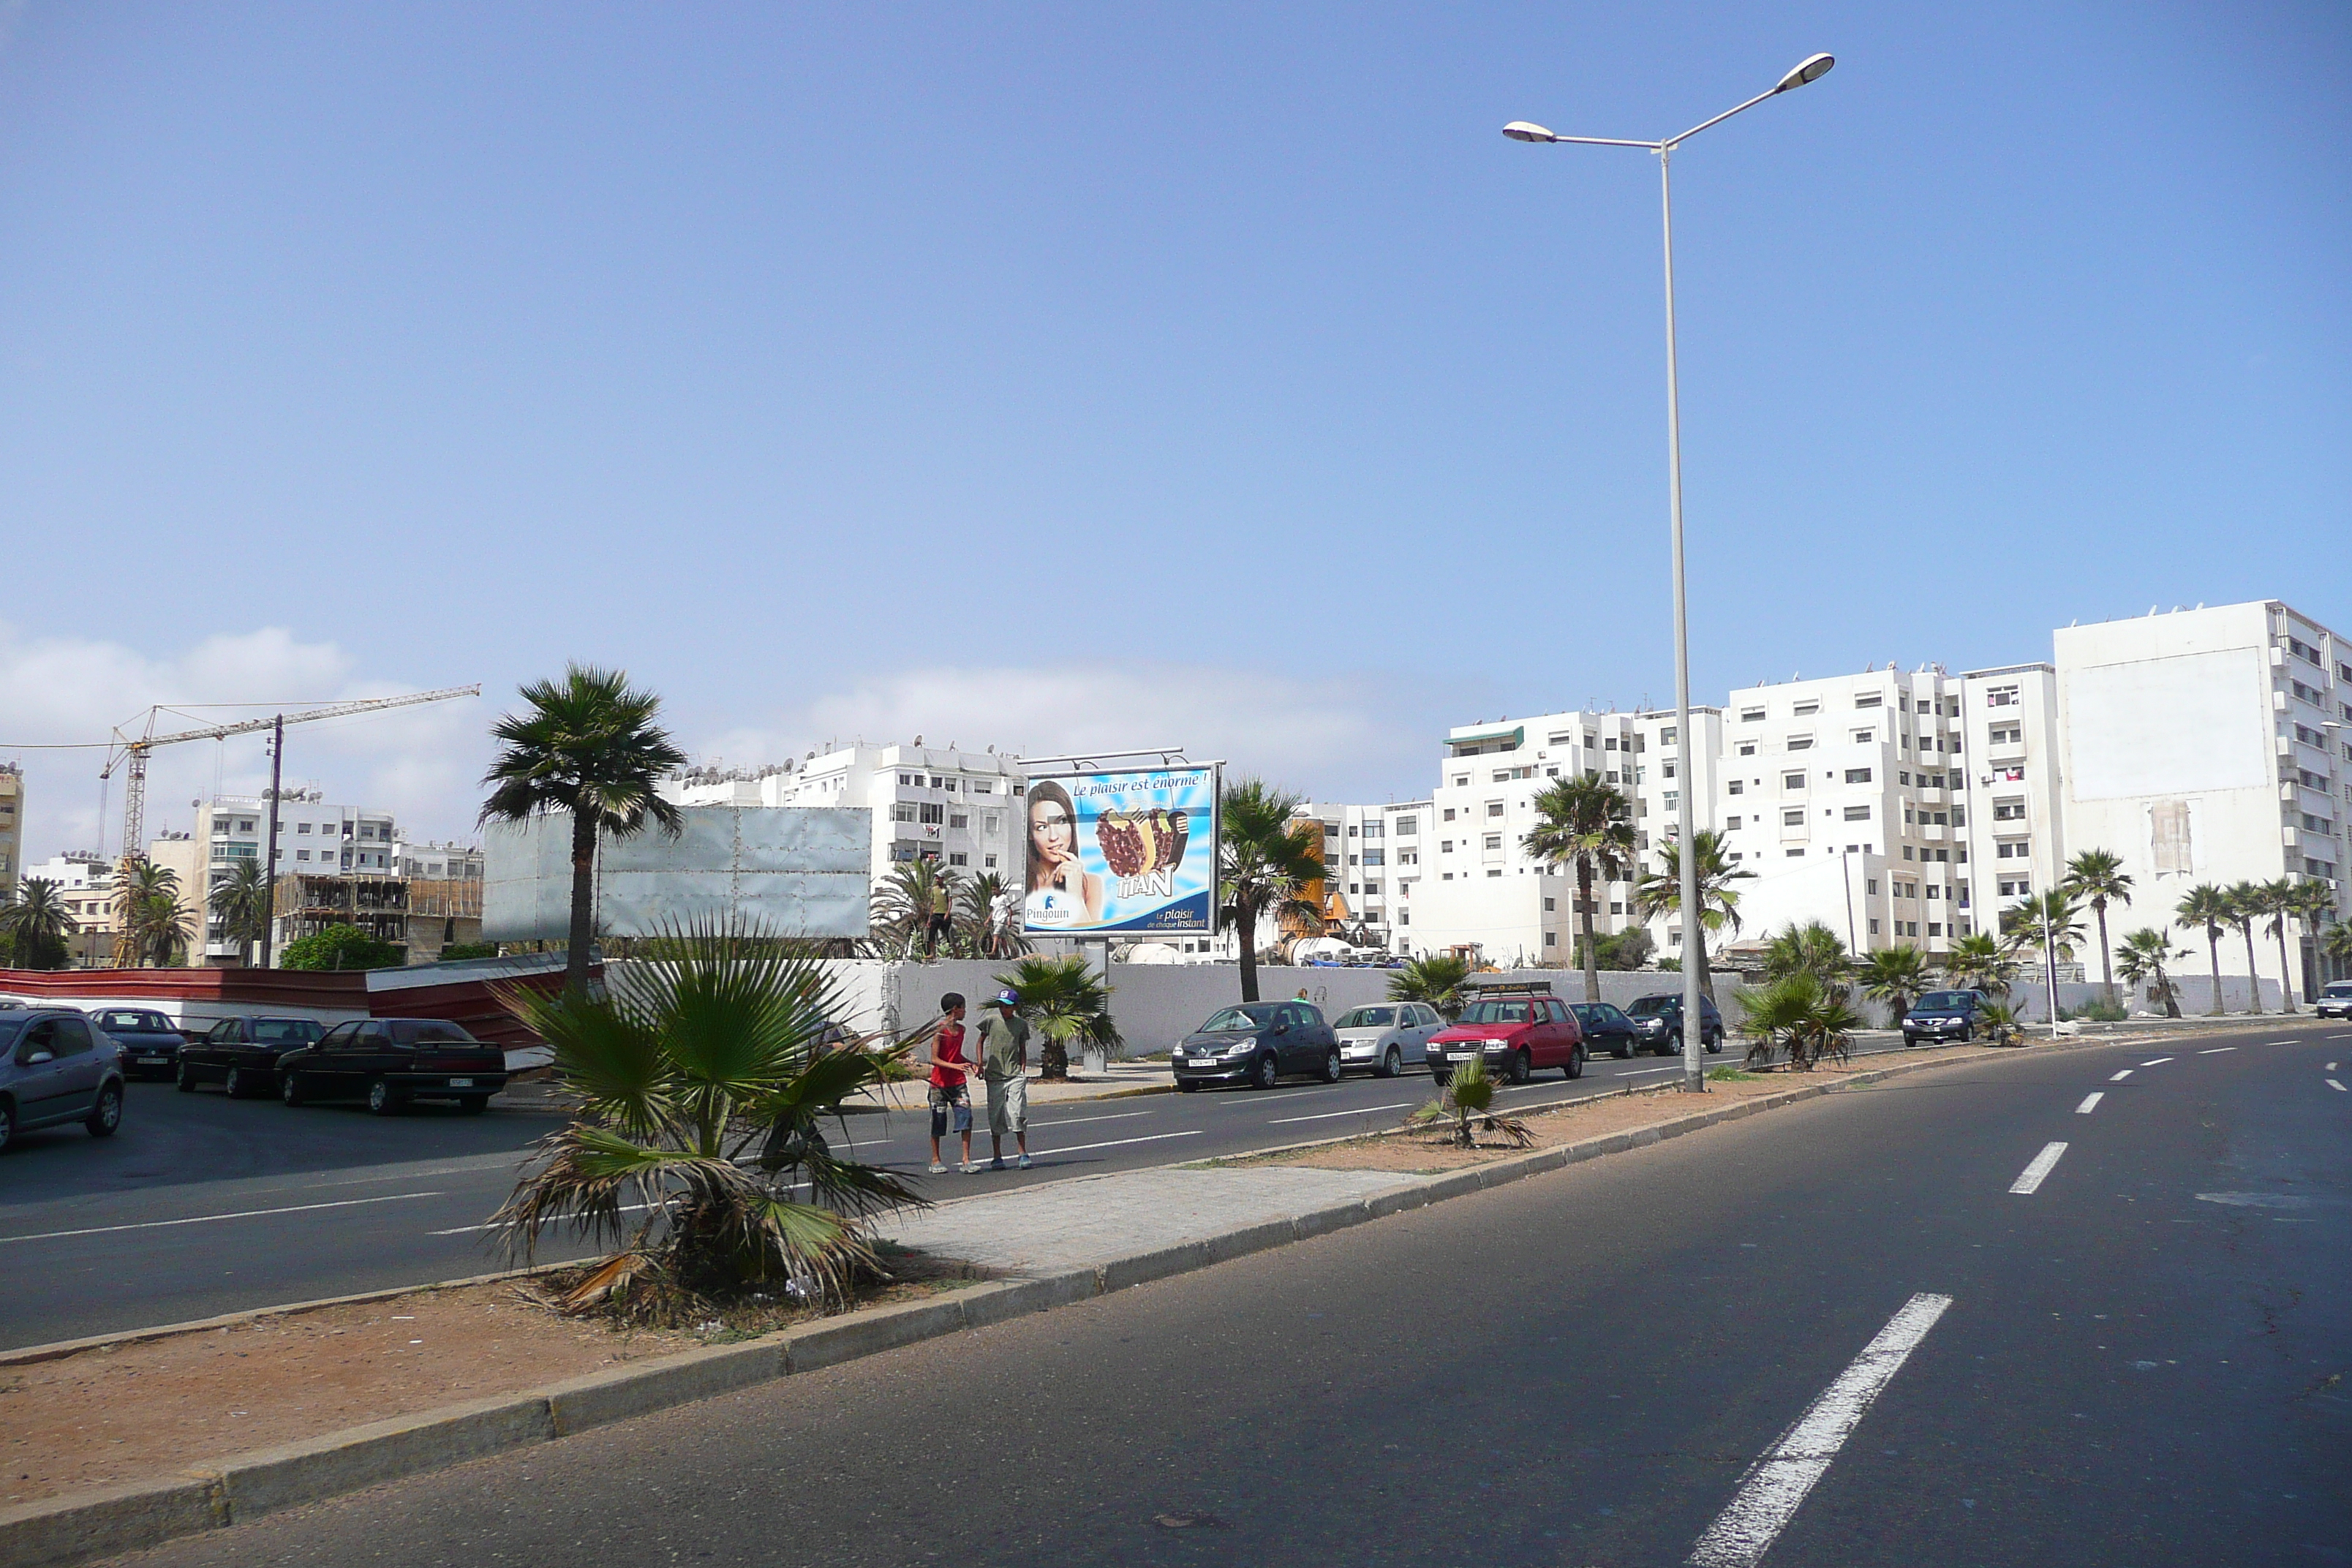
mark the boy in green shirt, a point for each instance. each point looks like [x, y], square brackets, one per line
[1004, 1066]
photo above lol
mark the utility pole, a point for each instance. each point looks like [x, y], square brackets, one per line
[269, 851]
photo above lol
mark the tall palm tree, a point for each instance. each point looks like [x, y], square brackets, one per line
[2280, 901]
[586, 745]
[2048, 925]
[2313, 901]
[1894, 975]
[2145, 952]
[1810, 949]
[1981, 962]
[1661, 892]
[2208, 906]
[1265, 861]
[2098, 876]
[2336, 941]
[241, 904]
[2245, 901]
[150, 929]
[1435, 980]
[909, 896]
[989, 911]
[35, 932]
[1069, 1003]
[1585, 823]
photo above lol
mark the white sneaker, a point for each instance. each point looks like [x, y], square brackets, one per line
[970, 1168]
[937, 1168]
[1024, 1162]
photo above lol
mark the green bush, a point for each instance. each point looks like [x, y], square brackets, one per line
[452, 951]
[342, 947]
[2099, 1010]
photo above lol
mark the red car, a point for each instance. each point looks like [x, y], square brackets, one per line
[1519, 1035]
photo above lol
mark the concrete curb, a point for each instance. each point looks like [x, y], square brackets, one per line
[105, 1522]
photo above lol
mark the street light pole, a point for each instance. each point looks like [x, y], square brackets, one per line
[1810, 69]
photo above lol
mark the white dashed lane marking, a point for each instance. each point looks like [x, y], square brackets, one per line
[2216, 1051]
[2338, 1086]
[2090, 1102]
[2156, 1063]
[2121, 1076]
[2032, 1176]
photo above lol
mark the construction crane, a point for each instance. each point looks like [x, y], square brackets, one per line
[129, 752]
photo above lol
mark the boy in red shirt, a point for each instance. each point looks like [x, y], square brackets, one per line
[949, 1094]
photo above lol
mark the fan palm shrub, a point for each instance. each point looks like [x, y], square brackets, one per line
[2095, 877]
[35, 930]
[2208, 906]
[1661, 892]
[1979, 961]
[1892, 975]
[1812, 948]
[1468, 1098]
[2246, 904]
[589, 745]
[242, 905]
[1802, 1014]
[704, 1094]
[1585, 826]
[1265, 862]
[2146, 952]
[988, 917]
[1068, 1004]
[1435, 980]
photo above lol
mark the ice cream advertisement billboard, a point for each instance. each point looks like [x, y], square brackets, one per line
[1129, 852]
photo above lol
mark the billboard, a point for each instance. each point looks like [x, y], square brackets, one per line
[1128, 852]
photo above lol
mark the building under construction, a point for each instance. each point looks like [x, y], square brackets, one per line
[419, 915]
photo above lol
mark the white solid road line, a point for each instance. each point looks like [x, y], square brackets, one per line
[1118, 1143]
[2090, 1103]
[2216, 1051]
[2338, 1086]
[1776, 1484]
[2121, 1076]
[1326, 1115]
[211, 1218]
[2043, 1163]
[1073, 1120]
[1643, 1072]
[2156, 1063]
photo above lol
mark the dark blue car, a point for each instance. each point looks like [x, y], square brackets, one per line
[151, 1044]
[1942, 1016]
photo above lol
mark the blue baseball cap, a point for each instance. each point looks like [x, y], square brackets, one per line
[1008, 998]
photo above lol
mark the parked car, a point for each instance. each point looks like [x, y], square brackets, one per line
[1386, 1036]
[2335, 1000]
[1658, 1020]
[1943, 1016]
[1519, 1035]
[388, 1062]
[1606, 1029]
[1256, 1043]
[151, 1046]
[55, 1067]
[241, 1054]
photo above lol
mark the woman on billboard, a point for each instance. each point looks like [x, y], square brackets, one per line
[1061, 892]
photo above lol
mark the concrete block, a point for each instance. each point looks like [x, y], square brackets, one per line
[1520, 1167]
[1642, 1137]
[1142, 1267]
[270, 1479]
[105, 1520]
[997, 1303]
[1453, 1184]
[1396, 1200]
[1251, 1239]
[1594, 1148]
[871, 1331]
[1322, 1222]
[641, 1387]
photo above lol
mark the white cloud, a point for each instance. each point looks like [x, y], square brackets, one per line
[420, 762]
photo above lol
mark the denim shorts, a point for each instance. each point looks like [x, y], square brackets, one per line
[952, 1097]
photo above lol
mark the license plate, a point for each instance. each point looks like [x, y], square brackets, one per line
[157, 1061]
[461, 1083]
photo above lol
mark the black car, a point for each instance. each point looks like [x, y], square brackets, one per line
[55, 1067]
[1606, 1029]
[1943, 1016]
[151, 1046]
[389, 1062]
[241, 1054]
[1256, 1043]
[1658, 1022]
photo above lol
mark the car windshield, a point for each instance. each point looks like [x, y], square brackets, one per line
[2341, 988]
[1495, 1013]
[130, 1022]
[427, 1032]
[1238, 1020]
[1651, 1007]
[1946, 1001]
[1367, 1019]
[300, 1030]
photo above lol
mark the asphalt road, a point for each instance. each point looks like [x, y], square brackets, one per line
[2141, 1361]
[202, 1205]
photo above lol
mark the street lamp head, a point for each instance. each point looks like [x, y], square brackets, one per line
[1523, 131]
[1811, 68]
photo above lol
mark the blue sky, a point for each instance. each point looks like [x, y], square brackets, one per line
[1076, 375]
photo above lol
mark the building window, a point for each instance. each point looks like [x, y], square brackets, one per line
[931, 811]
[902, 811]
[2000, 696]
[1494, 808]
[1550, 904]
[1666, 736]
[1494, 841]
[1792, 818]
[1735, 786]
[1551, 938]
[1752, 715]
[1857, 775]
[301, 854]
[1747, 748]
[1375, 856]
[1857, 814]
[1867, 699]
[988, 862]
[1407, 827]
[991, 825]
[1792, 854]
[302, 827]
[1800, 743]
[1731, 825]
[1495, 872]
[1371, 831]
[1792, 781]
[958, 857]
[958, 820]
[1449, 814]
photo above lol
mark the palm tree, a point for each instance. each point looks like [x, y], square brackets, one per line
[2097, 875]
[702, 1090]
[2048, 924]
[2246, 900]
[904, 904]
[2312, 902]
[2280, 901]
[1798, 1010]
[2145, 952]
[586, 745]
[1810, 949]
[241, 903]
[1265, 861]
[989, 915]
[1894, 975]
[1661, 892]
[1468, 1096]
[1435, 980]
[1979, 961]
[2336, 942]
[150, 929]
[35, 932]
[1068, 1003]
[1583, 822]
[2208, 906]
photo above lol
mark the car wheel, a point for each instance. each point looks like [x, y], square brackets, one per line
[1522, 1067]
[187, 1079]
[1392, 1063]
[1331, 1066]
[1575, 1067]
[1440, 1076]
[290, 1091]
[1265, 1070]
[1624, 1048]
[1968, 1033]
[382, 1100]
[107, 1114]
[232, 1084]
[1714, 1042]
[1187, 1086]
[7, 1123]
[474, 1104]
[1909, 1041]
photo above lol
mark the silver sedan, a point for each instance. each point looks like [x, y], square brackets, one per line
[1386, 1038]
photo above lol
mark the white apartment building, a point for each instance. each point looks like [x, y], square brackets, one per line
[2017, 828]
[2208, 746]
[85, 883]
[1372, 853]
[437, 862]
[314, 835]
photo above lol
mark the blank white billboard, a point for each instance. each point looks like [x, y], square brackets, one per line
[2172, 726]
